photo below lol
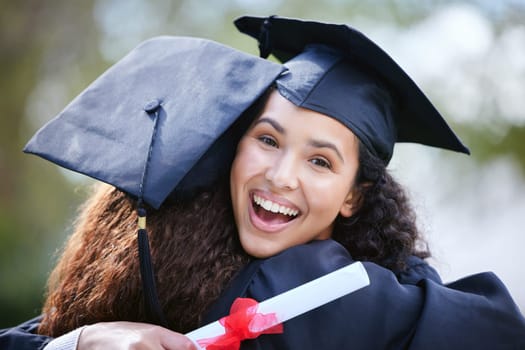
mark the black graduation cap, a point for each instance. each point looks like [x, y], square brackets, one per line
[163, 118]
[150, 118]
[336, 70]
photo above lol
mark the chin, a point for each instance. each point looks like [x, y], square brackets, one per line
[260, 250]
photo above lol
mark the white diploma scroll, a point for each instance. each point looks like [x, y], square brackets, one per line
[301, 299]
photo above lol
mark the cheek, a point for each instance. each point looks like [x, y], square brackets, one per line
[245, 165]
[241, 164]
[249, 161]
[328, 195]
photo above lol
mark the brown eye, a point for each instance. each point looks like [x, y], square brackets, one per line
[268, 140]
[321, 163]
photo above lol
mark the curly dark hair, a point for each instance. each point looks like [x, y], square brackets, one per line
[383, 229]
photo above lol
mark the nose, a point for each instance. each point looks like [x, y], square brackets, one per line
[283, 173]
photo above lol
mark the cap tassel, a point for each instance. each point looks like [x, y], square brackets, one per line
[265, 44]
[151, 299]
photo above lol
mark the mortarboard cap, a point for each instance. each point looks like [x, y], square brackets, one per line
[164, 117]
[148, 123]
[336, 70]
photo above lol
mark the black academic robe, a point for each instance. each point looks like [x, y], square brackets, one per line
[412, 310]
[23, 337]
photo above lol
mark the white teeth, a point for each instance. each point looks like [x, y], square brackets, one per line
[267, 205]
[274, 207]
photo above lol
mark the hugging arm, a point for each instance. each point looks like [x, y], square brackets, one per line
[413, 310]
[104, 335]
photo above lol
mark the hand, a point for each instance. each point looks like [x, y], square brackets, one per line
[131, 336]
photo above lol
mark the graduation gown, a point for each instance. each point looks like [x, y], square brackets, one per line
[412, 310]
[23, 337]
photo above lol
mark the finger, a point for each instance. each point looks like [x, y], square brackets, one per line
[177, 341]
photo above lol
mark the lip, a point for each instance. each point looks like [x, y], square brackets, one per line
[265, 226]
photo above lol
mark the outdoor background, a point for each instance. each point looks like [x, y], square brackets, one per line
[468, 56]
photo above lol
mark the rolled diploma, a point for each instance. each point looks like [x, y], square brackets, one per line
[301, 299]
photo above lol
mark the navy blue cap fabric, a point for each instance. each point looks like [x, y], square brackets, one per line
[336, 70]
[319, 79]
[147, 124]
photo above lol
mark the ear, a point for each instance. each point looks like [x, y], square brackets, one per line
[347, 209]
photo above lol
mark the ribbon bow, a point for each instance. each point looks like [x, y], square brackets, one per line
[243, 323]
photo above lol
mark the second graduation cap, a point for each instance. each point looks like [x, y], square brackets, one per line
[146, 126]
[337, 71]
[163, 118]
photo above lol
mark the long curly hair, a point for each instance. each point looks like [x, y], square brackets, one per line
[194, 248]
[383, 229]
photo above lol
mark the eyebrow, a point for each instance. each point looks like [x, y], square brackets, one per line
[313, 142]
[273, 123]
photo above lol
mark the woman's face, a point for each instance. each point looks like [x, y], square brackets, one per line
[292, 175]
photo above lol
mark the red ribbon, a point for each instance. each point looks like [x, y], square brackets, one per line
[243, 323]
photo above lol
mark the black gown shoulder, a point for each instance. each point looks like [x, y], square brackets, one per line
[410, 310]
[23, 337]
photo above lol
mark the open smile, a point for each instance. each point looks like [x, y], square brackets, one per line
[269, 216]
[273, 207]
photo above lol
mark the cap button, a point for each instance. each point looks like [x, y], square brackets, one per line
[152, 105]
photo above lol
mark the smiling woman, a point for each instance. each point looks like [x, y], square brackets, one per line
[292, 176]
[320, 146]
[305, 148]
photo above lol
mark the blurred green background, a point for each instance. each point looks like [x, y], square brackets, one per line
[469, 56]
